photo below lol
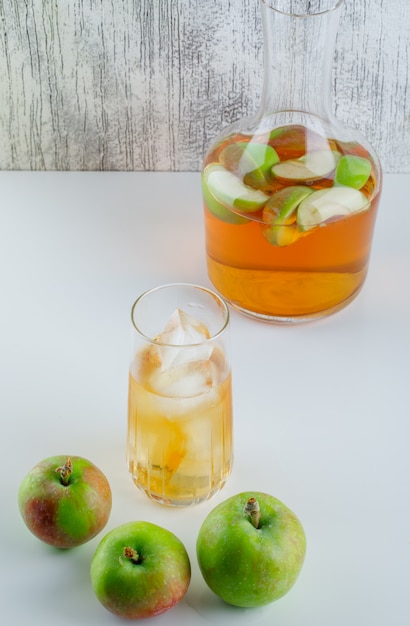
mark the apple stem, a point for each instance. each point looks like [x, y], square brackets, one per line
[253, 511]
[132, 555]
[65, 471]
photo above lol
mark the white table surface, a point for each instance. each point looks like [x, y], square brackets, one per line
[322, 410]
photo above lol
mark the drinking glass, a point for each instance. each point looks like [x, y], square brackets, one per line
[179, 442]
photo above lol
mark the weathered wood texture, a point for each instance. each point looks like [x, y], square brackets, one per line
[147, 84]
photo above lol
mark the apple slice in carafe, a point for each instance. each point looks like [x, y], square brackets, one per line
[329, 204]
[309, 167]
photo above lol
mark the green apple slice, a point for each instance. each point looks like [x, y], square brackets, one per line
[328, 204]
[280, 215]
[281, 235]
[353, 171]
[265, 157]
[230, 156]
[311, 166]
[218, 209]
[281, 206]
[251, 161]
[231, 191]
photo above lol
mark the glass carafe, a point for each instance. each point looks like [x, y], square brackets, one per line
[291, 194]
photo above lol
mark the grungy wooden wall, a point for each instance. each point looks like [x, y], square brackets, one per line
[147, 84]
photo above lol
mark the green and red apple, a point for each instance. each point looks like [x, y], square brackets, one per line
[65, 501]
[251, 549]
[140, 570]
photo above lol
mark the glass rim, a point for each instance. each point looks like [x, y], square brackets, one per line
[270, 5]
[194, 286]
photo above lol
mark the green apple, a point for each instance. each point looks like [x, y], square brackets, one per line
[251, 161]
[311, 166]
[230, 191]
[330, 204]
[279, 215]
[140, 570]
[65, 501]
[353, 171]
[251, 549]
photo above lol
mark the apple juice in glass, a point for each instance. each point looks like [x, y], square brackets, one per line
[179, 442]
[291, 195]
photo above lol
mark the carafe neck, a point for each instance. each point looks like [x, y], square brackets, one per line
[299, 45]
